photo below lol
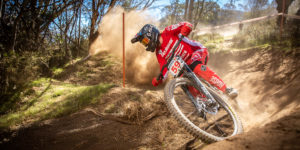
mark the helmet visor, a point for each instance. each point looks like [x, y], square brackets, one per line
[145, 41]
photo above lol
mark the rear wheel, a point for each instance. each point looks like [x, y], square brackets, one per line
[206, 126]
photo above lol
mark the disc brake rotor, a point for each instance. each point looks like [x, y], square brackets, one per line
[208, 107]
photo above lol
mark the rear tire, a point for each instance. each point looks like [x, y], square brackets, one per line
[189, 124]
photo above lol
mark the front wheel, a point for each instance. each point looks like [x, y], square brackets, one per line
[211, 128]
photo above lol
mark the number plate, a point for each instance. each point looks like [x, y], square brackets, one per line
[176, 66]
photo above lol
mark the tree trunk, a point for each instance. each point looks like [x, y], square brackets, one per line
[92, 28]
[79, 27]
[173, 15]
[111, 5]
[75, 24]
[66, 39]
[186, 9]
[280, 9]
[199, 13]
[65, 34]
[190, 11]
[1, 8]
[15, 31]
[95, 14]
[16, 23]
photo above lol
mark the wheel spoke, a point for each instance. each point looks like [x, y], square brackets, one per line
[218, 128]
[212, 123]
[191, 113]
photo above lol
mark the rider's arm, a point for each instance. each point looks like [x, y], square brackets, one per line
[178, 28]
[162, 62]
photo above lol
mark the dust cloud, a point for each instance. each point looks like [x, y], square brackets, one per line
[141, 66]
[228, 31]
[266, 94]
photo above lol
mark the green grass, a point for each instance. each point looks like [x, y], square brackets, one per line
[110, 108]
[210, 38]
[210, 41]
[40, 82]
[46, 99]
[72, 62]
[57, 71]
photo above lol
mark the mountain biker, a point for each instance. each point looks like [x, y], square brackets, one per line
[192, 52]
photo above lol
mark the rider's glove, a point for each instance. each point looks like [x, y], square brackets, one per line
[186, 29]
[155, 82]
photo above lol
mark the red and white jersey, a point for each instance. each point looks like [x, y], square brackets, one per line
[189, 50]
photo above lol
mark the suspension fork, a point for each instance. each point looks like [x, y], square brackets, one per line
[195, 102]
[192, 77]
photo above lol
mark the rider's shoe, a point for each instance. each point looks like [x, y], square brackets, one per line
[231, 92]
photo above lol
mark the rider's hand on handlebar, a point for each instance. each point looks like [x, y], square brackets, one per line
[155, 82]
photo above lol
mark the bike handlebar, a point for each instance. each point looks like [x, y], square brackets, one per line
[160, 76]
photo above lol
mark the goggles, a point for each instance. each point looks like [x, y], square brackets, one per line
[145, 41]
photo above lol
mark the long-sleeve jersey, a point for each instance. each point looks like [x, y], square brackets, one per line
[189, 50]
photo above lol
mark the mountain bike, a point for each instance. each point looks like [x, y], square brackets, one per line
[208, 116]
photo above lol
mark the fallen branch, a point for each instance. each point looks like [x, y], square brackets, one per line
[110, 117]
[114, 118]
[150, 116]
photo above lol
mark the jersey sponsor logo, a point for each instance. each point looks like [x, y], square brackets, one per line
[163, 53]
[160, 52]
[217, 81]
[184, 54]
[179, 49]
[168, 45]
[169, 54]
[173, 27]
[196, 57]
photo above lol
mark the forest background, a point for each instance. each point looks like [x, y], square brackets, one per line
[39, 37]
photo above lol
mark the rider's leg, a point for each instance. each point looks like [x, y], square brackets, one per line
[210, 76]
[198, 64]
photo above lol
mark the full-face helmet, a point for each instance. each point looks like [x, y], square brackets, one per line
[148, 36]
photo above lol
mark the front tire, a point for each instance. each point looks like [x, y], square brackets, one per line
[181, 107]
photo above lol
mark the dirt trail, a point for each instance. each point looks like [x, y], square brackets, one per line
[281, 134]
[269, 83]
[136, 117]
